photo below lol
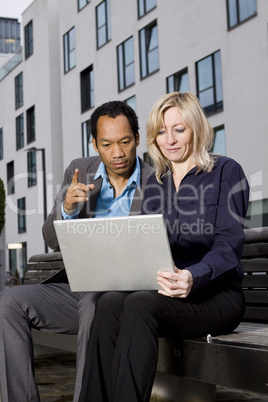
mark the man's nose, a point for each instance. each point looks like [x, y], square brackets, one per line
[118, 151]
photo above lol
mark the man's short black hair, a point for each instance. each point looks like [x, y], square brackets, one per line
[114, 109]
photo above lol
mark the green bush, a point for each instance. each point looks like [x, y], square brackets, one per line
[2, 205]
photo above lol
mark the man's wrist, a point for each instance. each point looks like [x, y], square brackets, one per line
[72, 211]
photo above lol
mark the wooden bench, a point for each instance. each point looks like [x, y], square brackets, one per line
[191, 369]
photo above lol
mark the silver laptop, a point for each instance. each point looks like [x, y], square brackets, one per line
[122, 253]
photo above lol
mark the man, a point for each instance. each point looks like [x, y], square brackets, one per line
[110, 184]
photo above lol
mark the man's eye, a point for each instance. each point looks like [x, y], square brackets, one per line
[105, 145]
[125, 142]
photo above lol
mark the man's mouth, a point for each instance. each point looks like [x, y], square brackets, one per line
[119, 164]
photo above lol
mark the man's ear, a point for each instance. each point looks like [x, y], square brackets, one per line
[94, 142]
[137, 139]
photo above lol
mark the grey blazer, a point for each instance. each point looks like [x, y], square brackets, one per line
[87, 170]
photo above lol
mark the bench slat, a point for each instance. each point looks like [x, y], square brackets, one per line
[255, 265]
[255, 281]
[256, 297]
[40, 274]
[254, 250]
[44, 266]
[259, 314]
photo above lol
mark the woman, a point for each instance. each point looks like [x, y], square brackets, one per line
[204, 200]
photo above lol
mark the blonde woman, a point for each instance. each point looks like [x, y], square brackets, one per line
[204, 199]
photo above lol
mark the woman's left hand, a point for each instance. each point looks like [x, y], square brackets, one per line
[175, 284]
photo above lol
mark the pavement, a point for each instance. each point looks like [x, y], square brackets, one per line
[55, 376]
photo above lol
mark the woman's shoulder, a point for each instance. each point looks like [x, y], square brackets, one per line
[220, 161]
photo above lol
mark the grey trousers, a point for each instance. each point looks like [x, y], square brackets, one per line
[49, 308]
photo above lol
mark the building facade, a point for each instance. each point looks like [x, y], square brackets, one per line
[77, 54]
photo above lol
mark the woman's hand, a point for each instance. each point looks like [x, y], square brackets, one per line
[175, 284]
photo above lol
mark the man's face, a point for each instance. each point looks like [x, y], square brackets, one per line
[116, 145]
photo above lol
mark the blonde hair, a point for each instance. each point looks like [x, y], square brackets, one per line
[194, 116]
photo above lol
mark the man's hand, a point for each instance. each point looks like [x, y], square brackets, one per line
[175, 284]
[77, 192]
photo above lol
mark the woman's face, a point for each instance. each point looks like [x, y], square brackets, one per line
[175, 138]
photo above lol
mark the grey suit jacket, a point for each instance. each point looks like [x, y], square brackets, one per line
[87, 170]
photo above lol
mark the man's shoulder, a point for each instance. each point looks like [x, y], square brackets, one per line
[145, 167]
[89, 162]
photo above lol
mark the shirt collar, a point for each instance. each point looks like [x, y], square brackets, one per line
[134, 178]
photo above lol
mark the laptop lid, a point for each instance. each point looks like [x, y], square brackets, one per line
[121, 253]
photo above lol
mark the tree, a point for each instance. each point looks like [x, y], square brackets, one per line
[2, 205]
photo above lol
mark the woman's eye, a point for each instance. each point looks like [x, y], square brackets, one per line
[161, 132]
[179, 130]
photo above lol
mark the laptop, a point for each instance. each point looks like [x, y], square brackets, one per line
[120, 253]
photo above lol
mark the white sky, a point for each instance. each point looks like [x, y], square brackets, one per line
[13, 8]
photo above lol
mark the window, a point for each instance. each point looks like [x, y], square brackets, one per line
[30, 115]
[147, 159]
[69, 50]
[28, 37]
[178, 82]
[87, 88]
[132, 102]
[31, 165]
[149, 50]
[10, 178]
[82, 4]
[240, 10]
[88, 149]
[13, 261]
[19, 132]
[21, 215]
[103, 23]
[219, 141]
[125, 63]
[144, 6]
[1, 144]
[209, 83]
[24, 258]
[18, 91]
[9, 35]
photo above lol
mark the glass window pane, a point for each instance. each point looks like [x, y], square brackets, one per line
[129, 51]
[81, 4]
[101, 14]
[91, 149]
[232, 13]
[120, 67]
[206, 98]
[66, 53]
[72, 59]
[143, 53]
[153, 40]
[170, 84]
[153, 61]
[247, 8]
[182, 83]
[102, 36]
[141, 8]
[219, 146]
[132, 102]
[205, 76]
[72, 39]
[150, 4]
[218, 77]
[129, 76]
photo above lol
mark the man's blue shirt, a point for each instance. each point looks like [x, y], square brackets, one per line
[107, 205]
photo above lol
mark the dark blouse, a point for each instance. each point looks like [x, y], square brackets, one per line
[204, 219]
